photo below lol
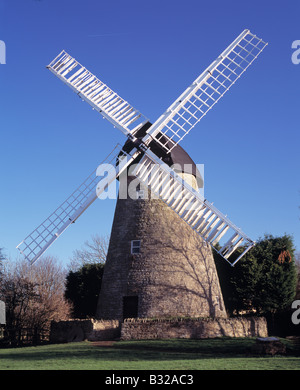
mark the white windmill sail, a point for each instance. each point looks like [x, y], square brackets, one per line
[167, 131]
[37, 242]
[195, 102]
[103, 99]
[213, 226]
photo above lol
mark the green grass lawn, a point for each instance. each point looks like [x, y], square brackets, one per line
[210, 354]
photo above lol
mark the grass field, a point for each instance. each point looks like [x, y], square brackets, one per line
[211, 354]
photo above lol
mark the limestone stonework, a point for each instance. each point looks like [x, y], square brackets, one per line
[79, 330]
[147, 329]
[197, 328]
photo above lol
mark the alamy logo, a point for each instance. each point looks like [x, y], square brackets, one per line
[296, 53]
[2, 53]
[296, 314]
[154, 181]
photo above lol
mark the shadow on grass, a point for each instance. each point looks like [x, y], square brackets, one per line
[146, 350]
[208, 348]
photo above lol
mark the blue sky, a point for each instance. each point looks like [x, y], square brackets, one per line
[148, 52]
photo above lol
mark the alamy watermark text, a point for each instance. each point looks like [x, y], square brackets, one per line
[131, 187]
[2, 52]
[296, 313]
[296, 53]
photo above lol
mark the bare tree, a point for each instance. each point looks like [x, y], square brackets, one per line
[34, 295]
[93, 252]
[17, 292]
[1, 262]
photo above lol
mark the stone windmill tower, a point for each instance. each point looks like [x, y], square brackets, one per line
[159, 262]
[157, 265]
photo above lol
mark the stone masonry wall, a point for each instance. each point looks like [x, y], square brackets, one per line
[147, 329]
[79, 330]
[198, 328]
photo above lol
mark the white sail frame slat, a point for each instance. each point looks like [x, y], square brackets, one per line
[81, 81]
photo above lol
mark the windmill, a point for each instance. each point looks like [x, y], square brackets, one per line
[149, 152]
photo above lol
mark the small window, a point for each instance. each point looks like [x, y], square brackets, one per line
[135, 246]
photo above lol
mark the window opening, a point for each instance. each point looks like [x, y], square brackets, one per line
[135, 246]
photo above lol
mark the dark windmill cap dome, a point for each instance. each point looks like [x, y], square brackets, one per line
[177, 156]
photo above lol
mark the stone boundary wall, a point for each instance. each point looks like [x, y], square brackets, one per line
[79, 330]
[147, 329]
[198, 328]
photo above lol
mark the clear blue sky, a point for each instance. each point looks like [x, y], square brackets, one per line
[148, 52]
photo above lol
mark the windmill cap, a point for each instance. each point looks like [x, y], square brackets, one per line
[177, 158]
